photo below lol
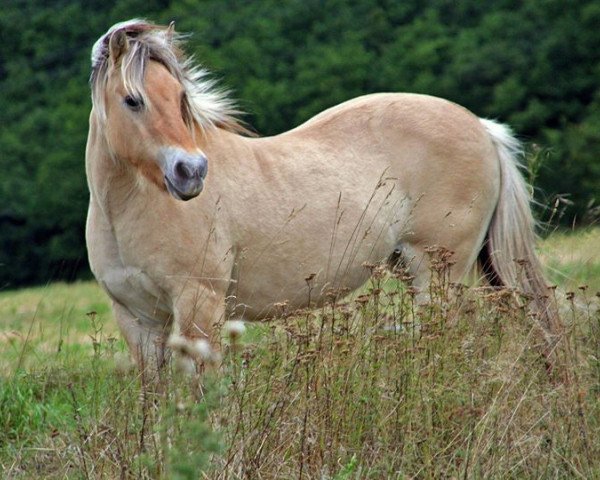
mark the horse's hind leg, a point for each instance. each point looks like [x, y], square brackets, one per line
[414, 259]
[418, 258]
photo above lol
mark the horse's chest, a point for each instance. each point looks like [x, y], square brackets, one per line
[119, 267]
[137, 291]
[127, 258]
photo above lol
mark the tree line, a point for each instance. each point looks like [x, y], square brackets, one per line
[534, 65]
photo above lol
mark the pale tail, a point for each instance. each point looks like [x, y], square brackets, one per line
[508, 257]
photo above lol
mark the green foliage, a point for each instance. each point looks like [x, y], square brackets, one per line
[532, 64]
[348, 469]
[21, 411]
[191, 450]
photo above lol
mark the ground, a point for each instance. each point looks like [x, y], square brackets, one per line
[367, 387]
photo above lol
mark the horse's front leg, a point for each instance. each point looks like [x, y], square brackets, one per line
[145, 338]
[198, 310]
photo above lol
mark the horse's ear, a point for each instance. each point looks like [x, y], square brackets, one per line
[117, 45]
[171, 29]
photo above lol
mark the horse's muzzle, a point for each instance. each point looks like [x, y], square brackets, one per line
[184, 174]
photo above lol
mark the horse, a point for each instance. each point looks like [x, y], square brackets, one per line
[192, 219]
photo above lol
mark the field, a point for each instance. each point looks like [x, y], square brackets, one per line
[370, 387]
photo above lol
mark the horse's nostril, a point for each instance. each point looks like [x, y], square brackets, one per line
[183, 171]
[188, 168]
[203, 166]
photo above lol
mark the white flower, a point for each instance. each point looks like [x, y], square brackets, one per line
[202, 349]
[178, 343]
[197, 349]
[234, 329]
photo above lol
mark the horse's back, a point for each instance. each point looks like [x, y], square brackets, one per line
[426, 142]
[407, 109]
[417, 137]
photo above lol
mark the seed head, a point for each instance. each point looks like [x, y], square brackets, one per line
[234, 329]
[202, 349]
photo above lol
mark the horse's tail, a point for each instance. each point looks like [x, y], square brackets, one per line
[508, 255]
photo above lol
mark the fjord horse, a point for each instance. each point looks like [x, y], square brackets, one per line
[191, 221]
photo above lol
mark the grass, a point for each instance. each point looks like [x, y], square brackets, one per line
[460, 391]
[573, 260]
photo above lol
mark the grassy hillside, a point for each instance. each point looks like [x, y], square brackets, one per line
[338, 393]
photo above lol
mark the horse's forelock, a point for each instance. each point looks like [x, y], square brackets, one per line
[208, 105]
[100, 48]
[146, 41]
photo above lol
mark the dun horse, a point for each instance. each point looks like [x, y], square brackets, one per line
[191, 221]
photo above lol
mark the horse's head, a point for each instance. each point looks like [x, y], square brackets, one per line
[147, 98]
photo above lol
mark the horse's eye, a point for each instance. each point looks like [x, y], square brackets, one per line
[133, 103]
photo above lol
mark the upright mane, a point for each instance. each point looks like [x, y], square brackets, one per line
[204, 103]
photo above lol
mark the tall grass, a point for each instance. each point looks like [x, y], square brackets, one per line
[369, 386]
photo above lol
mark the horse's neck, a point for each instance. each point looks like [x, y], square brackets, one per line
[251, 177]
[231, 161]
[112, 183]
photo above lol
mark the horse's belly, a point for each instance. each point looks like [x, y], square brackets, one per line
[295, 280]
[323, 246]
[264, 296]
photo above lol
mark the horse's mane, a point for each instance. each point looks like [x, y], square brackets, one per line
[205, 104]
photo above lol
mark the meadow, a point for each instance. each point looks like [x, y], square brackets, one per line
[364, 387]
